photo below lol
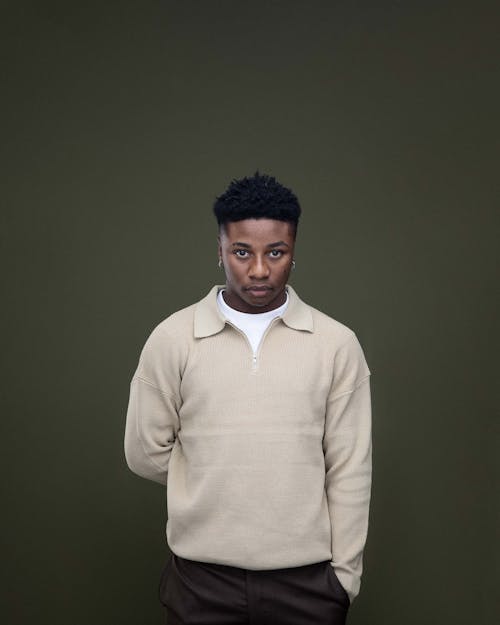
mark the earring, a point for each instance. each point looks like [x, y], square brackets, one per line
[220, 263]
[293, 264]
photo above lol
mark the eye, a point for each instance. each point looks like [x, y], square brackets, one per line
[241, 253]
[276, 253]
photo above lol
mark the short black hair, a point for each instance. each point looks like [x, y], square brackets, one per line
[257, 197]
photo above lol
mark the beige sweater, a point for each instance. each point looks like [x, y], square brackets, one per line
[266, 458]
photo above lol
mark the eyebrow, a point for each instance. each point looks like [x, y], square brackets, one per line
[247, 246]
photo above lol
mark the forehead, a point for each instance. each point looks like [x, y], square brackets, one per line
[258, 231]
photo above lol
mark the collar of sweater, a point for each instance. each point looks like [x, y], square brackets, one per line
[208, 319]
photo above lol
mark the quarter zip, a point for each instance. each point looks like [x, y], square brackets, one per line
[255, 355]
[255, 359]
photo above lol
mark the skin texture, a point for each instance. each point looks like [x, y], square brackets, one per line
[257, 257]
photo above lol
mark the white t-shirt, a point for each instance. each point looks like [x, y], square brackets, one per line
[252, 324]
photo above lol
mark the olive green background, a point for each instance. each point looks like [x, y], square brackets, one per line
[122, 122]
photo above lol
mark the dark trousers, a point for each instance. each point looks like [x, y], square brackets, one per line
[197, 593]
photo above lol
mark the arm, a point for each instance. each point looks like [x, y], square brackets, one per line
[152, 415]
[348, 450]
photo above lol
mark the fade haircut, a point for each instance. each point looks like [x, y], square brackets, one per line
[257, 197]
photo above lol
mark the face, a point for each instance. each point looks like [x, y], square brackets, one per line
[257, 256]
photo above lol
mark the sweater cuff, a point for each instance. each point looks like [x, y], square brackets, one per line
[349, 582]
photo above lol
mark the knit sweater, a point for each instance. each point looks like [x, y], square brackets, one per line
[267, 456]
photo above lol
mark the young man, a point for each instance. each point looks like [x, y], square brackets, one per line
[253, 408]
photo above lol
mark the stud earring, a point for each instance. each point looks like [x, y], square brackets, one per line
[293, 264]
[220, 263]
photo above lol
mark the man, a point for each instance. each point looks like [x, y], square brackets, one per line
[253, 408]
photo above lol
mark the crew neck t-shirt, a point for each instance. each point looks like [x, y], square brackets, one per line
[253, 325]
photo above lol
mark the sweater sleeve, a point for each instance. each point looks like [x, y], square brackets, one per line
[347, 448]
[152, 415]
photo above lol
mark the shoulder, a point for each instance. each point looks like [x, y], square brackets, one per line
[177, 324]
[327, 326]
[339, 338]
[176, 330]
[181, 326]
[179, 321]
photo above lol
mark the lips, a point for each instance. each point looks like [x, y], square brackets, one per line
[258, 290]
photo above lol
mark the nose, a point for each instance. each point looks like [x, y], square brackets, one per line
[259, 269]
